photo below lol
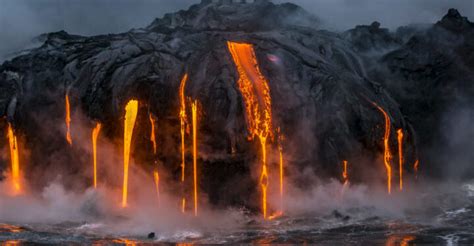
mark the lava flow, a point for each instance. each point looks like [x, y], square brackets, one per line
[280, 151]
[345, 175]
[15, 162]
[131, 111]
[256, 94]
[156, 177]
[183, 119]
[95, 135]
[152, 133]
[195, 153]
[415, 166]
[400, 155]
[68, 120]
[387, 155]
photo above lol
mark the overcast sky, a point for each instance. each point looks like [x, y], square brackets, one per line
[21, 20]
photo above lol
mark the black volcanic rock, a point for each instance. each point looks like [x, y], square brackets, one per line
[321, 87]
[372, 37]
[455, 22]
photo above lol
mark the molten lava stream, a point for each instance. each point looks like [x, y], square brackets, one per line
[131, 111]
[68, 120]
[387, 156]
[415, 167]
[183, 119]
[345, 175]
[280, 151]
[95, 135]
[152, 133]
[156, 177]
[15, 161]
[400, 156]
[255, 91]
[195, 154]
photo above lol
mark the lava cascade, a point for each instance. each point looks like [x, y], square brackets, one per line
[400, 156]
[281, 164]
[152, 133]
[183, 120]
[95, 135]
[257, 100]
[15, 161]
[68, 120]
[131, 111]
[195, 155]
[156, 178]
[387, 156]
[345, 175]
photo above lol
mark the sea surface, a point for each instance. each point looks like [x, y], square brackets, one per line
[446, 219]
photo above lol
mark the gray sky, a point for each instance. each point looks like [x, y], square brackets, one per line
[21, 20]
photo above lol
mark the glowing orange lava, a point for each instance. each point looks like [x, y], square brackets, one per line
[183, 120]
[280, 151]
[15, 161]
[68, 120]
[387, 156]
[131, 111]
[183, 205]
[156, 177]
[345, 175]
[195, 153]
[400, 156]
[95, 134]
[152, 133]
[256, 94]
[415, 166]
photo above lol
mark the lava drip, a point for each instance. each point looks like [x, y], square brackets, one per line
[183, 120]
[156, 178]
[345, 175]
[15, 161]
[131, 111]
[387, 156]
[195, 154]
[95, 135]
[156, 174]
[256, 94]
[280, 151]
[68, 119]
[152, 133]
[400, 156]
[415, 167]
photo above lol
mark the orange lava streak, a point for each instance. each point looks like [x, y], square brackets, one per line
[256, 94]
[415, 166]
[400, 155]
[264, 179]
[280, 151]
[183, 205]
[183, 119]
[254, 89]
[68, 120]
[345, 175]
[195, 153]
[95, 134]
[131, 111]
[387, 156]
[152, 134]
[15, 162]
[156, 177]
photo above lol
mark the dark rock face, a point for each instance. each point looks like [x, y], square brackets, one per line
[321, 89]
